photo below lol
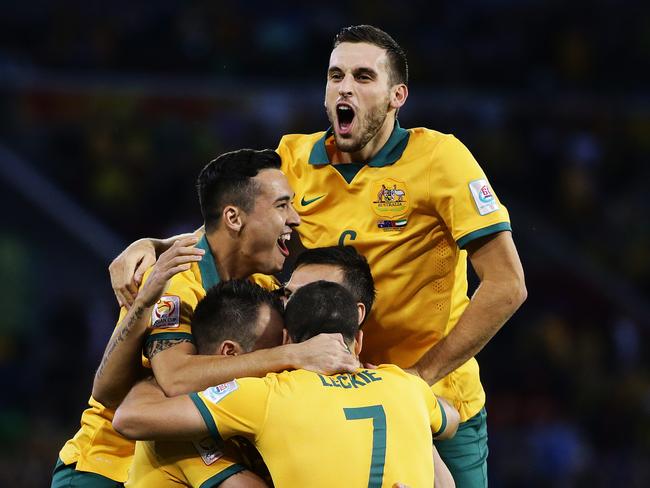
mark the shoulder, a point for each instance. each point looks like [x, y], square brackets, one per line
[267, 282]
[294, 141]
[432, 139]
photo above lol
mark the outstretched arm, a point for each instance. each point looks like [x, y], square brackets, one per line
[121, 364]
[501, 292]
[180, 370]
[147, 414]
[128, 268]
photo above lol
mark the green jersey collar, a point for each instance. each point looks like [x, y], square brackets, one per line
[209, 274]
[388, 154]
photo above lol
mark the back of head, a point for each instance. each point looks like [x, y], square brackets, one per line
[230, 311]
[357, 278]
[320, 307]
[399, 71]
[228, 180]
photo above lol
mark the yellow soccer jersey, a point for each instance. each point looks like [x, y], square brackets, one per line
[371, 428]
[160, 464]
[96, 447]
[409, 211]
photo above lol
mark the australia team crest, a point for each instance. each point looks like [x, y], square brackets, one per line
[390, 198]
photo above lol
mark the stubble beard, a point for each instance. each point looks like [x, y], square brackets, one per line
[372, 121]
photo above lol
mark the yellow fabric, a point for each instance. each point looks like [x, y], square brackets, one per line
[419, 270]
[297, 421]
[96, 447]
[160, 464]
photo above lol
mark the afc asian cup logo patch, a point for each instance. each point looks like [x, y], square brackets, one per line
[166, 313]
[217, 393]
[390, 198]
[208, 449]
[483, 197]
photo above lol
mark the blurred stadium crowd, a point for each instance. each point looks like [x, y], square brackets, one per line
[119, 105]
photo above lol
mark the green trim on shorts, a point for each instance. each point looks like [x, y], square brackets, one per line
[67, 476]
[466, 453]
[219, 478]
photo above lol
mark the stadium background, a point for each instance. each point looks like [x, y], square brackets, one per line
[109, 110]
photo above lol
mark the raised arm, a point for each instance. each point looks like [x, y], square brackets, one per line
[121, 364]
[501, 292]
[128, 268]
[180, 370]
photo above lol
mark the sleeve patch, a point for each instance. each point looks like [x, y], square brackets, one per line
[208, 449]
[483, 197]
[217, 393]
[166, 313]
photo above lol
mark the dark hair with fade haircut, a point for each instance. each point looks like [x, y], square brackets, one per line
[321, 307]
[228, 180]
[357, 278]
[230, 311]
[399, 68]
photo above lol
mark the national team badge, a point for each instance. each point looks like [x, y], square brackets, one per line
[483, 197]
[217, 393]
[166, 313]
[208, 449]
[390, 198]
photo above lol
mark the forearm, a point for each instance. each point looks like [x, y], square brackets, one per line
[491, 306]
[190, 372]
[146, 413]
[121, 363]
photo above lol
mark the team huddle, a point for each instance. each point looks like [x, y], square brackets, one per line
[226, 378]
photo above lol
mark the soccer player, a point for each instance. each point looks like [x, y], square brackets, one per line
[248, 216]
[417, 204]
[235, 317]
[312, 430]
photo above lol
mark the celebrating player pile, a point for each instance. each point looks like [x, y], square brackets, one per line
[414, 202]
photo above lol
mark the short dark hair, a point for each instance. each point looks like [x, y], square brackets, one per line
[228, 180]
[399, 68]
[230, 311]
[357, 277]
[321, 307]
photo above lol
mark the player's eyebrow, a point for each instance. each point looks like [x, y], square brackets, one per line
[283, 198]
[364, 71]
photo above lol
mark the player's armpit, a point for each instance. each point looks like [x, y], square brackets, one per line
[244, 479]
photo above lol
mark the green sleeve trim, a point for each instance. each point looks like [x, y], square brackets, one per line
[207, 417]
[485, 231]
[444, 420]
[168, 336]
[219, 478]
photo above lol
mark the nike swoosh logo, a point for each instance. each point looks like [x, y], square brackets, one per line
[304, 202]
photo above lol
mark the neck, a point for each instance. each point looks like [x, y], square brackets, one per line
[229, 262]
[373, 146]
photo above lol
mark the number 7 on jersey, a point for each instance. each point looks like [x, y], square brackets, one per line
[378, 458]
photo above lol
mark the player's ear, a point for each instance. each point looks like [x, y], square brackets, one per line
[285, 337]
[361, 308]
[230, 348]
[358, 342]
[232, 217]
[398, 95]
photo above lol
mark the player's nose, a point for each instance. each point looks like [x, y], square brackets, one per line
[293, 219]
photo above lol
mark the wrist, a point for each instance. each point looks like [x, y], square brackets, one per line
[285, 357]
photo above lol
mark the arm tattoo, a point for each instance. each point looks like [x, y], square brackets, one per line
[158, 345]
[136, 315]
